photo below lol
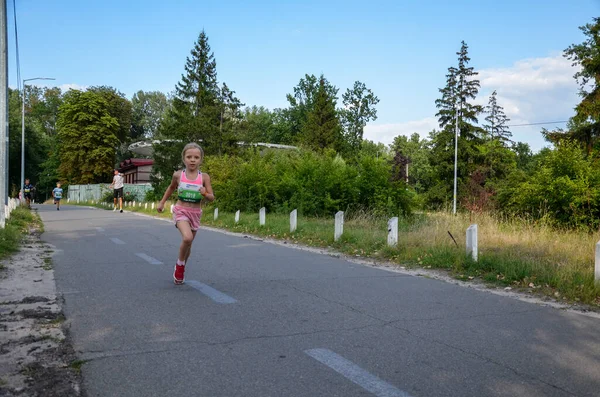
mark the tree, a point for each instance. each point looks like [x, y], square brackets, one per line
[322, 128]
[587, 56]
[417, 151]
[496, 119]
[148, 110]
[229, 117]
[461, 88]
[194, 115]
[35, 143]
[359, 108]
[88, 136]
[302, 102]
[119, 107]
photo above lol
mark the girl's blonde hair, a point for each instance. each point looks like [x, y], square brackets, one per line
[192, 145]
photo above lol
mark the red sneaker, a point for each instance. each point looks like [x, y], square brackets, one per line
[178, 276]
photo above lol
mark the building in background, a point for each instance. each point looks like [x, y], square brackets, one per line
[136, 171]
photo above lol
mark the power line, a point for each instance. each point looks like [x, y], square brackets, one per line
[544, 122]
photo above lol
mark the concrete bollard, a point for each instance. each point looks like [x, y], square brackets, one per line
[472, 241]
[216, 215]
[339, 225]
[237, 216]
[392, 239]
[597, 264]
[145, 206]
[172, 208]
[293, 221]
[262, 216]
[152, 205]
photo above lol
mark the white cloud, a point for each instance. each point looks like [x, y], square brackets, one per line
[532, 90]
[72, 86]
[386, 133]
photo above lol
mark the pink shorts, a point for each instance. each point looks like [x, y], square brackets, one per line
[187, 214]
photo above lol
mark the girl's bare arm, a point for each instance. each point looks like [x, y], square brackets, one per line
[206, 190]
[169, 191]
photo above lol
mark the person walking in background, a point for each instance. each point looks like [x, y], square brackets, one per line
[27, 192]
[192, 186]
[57, 194]
[117, 185]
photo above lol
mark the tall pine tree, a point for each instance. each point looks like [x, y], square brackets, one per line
[322, 128]
[460, 90]
[194, 115]
[496, 119]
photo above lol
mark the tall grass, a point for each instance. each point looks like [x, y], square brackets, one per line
[12, 234]
[519, 253]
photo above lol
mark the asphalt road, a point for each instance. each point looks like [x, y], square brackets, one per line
[258, 319]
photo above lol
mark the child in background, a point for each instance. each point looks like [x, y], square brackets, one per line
[27, 192]
[192, 186]
[57, 194]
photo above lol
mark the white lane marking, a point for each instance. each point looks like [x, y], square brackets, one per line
[101, 230]
[149, 259]
[212, 293]
[356, 374]
[117, 240]
[243, 245]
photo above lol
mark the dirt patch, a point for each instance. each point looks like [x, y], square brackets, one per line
[36, 356]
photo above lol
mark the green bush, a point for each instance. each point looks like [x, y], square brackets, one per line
[314, 184]
[564, 190]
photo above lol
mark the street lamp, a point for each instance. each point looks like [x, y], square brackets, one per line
[23, 133]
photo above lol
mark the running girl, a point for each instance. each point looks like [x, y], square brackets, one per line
[192, 186]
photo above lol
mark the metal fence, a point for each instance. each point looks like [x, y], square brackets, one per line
[98, 191]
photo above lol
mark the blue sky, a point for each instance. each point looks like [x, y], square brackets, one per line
[399, 49]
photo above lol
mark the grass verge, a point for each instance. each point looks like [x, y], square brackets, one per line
[21, 219]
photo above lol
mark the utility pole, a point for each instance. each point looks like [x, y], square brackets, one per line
[456, 156]
[3, 112]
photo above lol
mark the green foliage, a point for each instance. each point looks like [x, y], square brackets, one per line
[312, 183]
[496, 128]
[12, 233]
[87, 136]
[321, 129]
[118, 107]
[36, 142]
[148, 108]
[359, 109]
[564, 190]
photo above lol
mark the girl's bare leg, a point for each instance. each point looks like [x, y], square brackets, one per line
[187, 237]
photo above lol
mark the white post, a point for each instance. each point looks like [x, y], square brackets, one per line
[172, 208]
[293, 221]
[152, 205]
[262, 216]
[472, 241]
[145, 206]
[216, 216]
[393, 232]
[237, 216]
[68, 200]
[597, 265]
[339, 225]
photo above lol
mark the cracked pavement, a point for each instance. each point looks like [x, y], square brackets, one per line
[141, 335]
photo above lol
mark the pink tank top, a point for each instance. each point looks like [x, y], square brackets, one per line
[189, 190]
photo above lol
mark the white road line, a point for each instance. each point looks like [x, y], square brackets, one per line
[212, 293]
[149, 259]
[117, 241]
[243, 245]
[355, 373]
